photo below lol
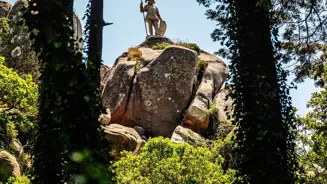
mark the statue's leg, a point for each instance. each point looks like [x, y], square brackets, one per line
[150, 24]
[156, 27]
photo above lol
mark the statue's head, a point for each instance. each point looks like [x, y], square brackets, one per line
[151, 1]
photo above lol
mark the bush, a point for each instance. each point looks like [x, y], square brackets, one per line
[192, 46]
[164, 162]
[18, 104]
[19, 180]
[4, 27]
[161, 46]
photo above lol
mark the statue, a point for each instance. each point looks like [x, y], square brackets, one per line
[152, 18]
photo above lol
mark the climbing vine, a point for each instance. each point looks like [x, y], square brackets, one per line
[69, 146]
[263, 109]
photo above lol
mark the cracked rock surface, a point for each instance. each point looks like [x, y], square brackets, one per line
[162, 94]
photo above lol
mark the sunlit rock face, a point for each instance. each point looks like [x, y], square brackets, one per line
[161, 90]
[4, 8]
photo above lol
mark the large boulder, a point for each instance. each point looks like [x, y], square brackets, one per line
[9, 166]
[17, 148]
[185, 135]
[122, 138]
[223, 125]
[225, 106]
[4, 8]
[161, 89]
[77, 26]
[116, 93]
[215, 74]
[155, 97]
[104, 74]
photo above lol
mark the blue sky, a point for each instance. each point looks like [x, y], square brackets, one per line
[186, 21]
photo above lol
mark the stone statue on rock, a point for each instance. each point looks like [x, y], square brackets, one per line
[152, 18]
[158, 91]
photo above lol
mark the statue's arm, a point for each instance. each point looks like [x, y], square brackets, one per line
[158, 14]
[142, 9]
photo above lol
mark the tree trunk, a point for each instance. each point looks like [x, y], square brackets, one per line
[95, 39]
[263, 148]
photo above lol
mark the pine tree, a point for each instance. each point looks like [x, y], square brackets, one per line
[263, 110]
[69, 143]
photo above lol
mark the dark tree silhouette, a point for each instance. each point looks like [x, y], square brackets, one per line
[263, 110]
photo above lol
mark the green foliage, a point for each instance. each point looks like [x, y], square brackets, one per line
[18, 105]
[16, 92]
[192, 46]
[134, 54]
[213, 111]
[248, 33]
[312, 146]
[201, 66]
[304, 37]
[4, 27]
[161, 46]
[162, 161]
[226, 148]
[69, 98]
[19, 180]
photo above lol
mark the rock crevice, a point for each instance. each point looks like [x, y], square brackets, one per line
[164, 93]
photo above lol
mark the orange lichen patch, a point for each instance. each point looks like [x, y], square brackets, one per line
[134, 54]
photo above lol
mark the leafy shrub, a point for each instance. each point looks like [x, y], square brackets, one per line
[191, 46]
[164, 162]
[19, 180]
[213, 111]
[200, 69]
[201, 65]
[4, 27]
[161, 46]
[18, 104]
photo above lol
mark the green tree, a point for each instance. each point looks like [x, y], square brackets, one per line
[304, 37]
[68, 147]
[312, 146]
[263, 112]
[162, 161]
[19, 180]
[18, 106]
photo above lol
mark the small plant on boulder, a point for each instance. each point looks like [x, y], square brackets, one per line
[200, 69]
[191, 46]
[161, 46]
[134, 54]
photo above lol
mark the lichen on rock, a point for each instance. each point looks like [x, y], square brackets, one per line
[174, 86]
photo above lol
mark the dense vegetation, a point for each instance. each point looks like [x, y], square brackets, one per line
[18, 106]
[312, 145]
[56, 116]
[162, 161]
